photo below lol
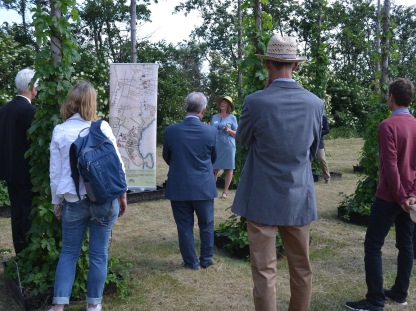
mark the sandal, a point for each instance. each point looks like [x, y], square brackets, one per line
[224, 195]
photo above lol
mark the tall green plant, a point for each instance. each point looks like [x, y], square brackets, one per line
[37, 263]
[360, 202]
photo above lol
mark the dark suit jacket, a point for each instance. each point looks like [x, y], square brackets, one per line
[189, 150]
[15, 119]
[324, 131]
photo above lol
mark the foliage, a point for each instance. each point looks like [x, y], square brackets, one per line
[343, 132]
[38, 261]
[360, 202]
[4, 195]
[234, 230]
[16, 55]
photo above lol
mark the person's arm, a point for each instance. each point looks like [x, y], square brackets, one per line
[166, 151]
[55, 168]
[233, 129]
[388, 163]
[123, 204]
[313, 149]
[325, 125]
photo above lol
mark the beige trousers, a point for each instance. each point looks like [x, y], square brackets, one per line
[262, 241]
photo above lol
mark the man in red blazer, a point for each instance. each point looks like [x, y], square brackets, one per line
[15, 119]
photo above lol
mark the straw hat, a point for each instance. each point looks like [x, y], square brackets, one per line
[219, 99]
[282, 49]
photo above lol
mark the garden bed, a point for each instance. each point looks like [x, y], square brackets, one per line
[353, 217]
[24, 300]
[240, 253]
[334, 176]
[147, 195]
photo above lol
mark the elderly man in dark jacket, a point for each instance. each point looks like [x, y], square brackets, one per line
[15, 119]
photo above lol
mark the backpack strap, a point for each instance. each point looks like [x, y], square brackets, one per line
[73, 160]
[74, 169]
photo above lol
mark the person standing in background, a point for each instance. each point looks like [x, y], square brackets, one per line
[226, 124]
[189, 150]
[281, 126]
[396, 192]
[320, 155]
[79, 214]
[15, 119]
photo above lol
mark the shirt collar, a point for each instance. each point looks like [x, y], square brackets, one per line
[284, 80]
[191, 116]
[24, 97]
[400, 111]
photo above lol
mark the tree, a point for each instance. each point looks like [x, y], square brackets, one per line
[53, 66]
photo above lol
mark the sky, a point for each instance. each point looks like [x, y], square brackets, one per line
[173, 28]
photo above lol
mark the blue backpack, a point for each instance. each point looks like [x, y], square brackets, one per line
[94, 158]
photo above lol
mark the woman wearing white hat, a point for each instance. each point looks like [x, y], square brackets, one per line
[226, 124]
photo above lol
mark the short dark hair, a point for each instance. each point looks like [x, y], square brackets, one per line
[281, 65]
[402, 90]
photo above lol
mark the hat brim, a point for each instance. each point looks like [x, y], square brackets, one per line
[282, 60]
[219, 99]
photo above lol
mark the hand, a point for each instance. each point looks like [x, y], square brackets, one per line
[123, 204]
[406, 206]
[57, 210]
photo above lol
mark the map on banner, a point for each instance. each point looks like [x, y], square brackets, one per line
[133, 112]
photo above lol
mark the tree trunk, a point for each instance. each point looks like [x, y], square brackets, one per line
[56, 43]
[133, 31]
[239, 49]
[377, 60]
[257, 16]
[385, 49]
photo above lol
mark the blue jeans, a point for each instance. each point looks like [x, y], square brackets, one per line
[183, 212]
[76, 217]
[383, 215]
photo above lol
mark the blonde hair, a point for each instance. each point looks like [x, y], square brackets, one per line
[82, 99]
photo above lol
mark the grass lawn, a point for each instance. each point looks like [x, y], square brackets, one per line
[146, 236]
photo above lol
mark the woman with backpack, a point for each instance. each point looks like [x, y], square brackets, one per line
[78, 212]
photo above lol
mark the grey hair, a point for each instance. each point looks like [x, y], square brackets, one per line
[23, 79]
[195, 102]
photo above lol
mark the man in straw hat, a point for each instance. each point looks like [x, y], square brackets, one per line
[281, 125]
[396, 193]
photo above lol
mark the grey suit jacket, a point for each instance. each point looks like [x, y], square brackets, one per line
[281, 126]
[189, 150]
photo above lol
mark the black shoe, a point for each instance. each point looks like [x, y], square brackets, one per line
[400, 302]
[188, 267]
[362, 305]
[206, 266]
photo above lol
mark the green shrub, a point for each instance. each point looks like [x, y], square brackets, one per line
[4, 195]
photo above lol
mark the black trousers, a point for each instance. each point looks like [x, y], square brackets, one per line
[21, 197]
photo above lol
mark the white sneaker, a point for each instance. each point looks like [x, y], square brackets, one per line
[97, 308]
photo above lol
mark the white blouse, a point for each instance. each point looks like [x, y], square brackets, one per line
[59, 168]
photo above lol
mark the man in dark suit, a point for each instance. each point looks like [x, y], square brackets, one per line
[281, 126]
[15, 119]
[189, 150]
